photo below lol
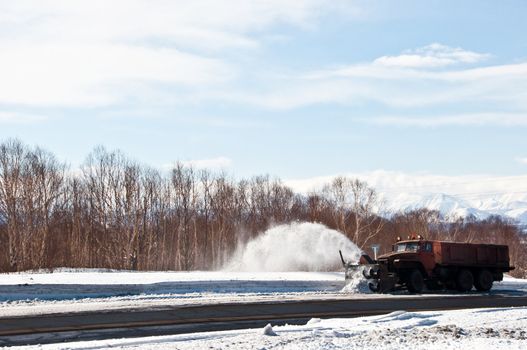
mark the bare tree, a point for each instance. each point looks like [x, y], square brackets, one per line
[423, 222]
[184, 185]
[12, 155]
[45, 199]
[354, 209]
[206, 182]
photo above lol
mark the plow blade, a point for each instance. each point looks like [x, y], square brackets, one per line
[380, 280]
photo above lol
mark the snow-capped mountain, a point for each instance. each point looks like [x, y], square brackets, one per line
[457, 206]
[449, 206]
[453, 196]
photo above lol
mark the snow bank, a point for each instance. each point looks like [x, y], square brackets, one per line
[94, 284]
[294, 247]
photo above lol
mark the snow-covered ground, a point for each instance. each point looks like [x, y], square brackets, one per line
[68, 284]
[461, 329]
[90, 290]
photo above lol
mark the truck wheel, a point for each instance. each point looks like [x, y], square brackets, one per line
[464, 280]
[484, 280]
[415, 282]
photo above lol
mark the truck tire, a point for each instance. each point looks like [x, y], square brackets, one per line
[464, 280]
[484, 280]
[415, 281]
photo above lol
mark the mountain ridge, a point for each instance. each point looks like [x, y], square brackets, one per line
[453, 196]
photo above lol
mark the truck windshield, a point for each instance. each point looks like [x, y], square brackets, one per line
[407, 247]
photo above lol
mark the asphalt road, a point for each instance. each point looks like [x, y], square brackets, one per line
[186, 319]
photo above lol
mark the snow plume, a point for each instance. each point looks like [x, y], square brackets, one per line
[294, 247]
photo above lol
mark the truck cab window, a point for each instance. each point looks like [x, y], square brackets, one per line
[407, 247]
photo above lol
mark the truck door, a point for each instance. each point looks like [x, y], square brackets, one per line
[427, 257]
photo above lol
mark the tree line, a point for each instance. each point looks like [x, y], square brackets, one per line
[116, 213]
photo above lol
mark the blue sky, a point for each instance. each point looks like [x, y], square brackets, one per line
[295, 89]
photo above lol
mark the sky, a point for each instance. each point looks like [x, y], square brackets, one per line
[291, 88]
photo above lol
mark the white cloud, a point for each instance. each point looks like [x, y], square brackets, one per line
[222, 24]
[97, 53]
[478, 119]
[51, 74]
[521, 160]
[20, 118]
[401, 87]
[431, 56]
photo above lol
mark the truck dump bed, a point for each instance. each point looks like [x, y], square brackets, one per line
[467, 254]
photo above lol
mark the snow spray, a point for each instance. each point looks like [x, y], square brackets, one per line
[294, 247]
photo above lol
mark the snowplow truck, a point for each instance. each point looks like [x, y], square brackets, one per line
[417, 263]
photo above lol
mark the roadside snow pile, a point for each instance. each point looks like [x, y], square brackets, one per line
[501, 328]
[268, 330]
[358, 284]
[294, 247]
